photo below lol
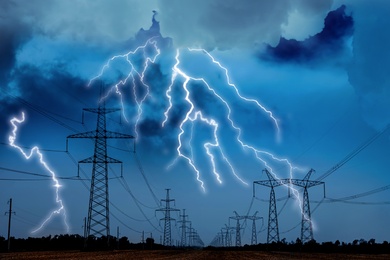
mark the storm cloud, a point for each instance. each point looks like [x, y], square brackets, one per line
[369, 70]
[224, 24]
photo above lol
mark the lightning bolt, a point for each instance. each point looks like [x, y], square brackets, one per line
[194, 114]
[35, 150]
[198, 115]
[133, 75]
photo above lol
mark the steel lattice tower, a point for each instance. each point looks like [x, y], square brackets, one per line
[273, 227]
[254, 233]
[306, 225]
[238, 227]
[305, 183]
[98, 222]
[184, 228]
[228, 237]
[167, 219]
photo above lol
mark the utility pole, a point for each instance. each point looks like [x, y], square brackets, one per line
[10, 212]
[183, 227]
[85, 232]
[273, 227]
[85, 228]
[98, 223]
[117, 236]
[167, 219]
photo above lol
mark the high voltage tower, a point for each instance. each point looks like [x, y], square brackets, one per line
[306, 224]
[184, 228]
[228, 235]
[254, 232]
[167, 219]
[98, 222]
[273, 226]
[194, 238]
[238, 227]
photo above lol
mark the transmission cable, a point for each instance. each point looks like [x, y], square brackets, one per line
[353, 153]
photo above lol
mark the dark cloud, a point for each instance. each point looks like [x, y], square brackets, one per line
[338, 26]
[225, 24]
[13, 33]
[58, 91]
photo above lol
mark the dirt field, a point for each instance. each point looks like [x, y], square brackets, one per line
[181, 254]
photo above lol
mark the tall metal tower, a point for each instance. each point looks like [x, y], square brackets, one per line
[98, 222]
[273, 227]
[184, 227]
[228, 236]
[190, 235]
[238, 227]
[167, 219]
[306, 225]
[254, 232]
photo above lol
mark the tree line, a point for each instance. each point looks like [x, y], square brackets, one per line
[77, 242]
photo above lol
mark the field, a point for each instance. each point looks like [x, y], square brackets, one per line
[181, 254]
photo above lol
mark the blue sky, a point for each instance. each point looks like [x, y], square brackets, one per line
[319, 66]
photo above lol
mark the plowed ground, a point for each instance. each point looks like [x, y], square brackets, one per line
[181, 254]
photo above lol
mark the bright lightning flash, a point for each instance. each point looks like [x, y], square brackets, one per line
[195, 114]
[35, 150]
[133, 74]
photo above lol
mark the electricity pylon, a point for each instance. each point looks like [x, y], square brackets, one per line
[306, 225]
[228, 236]
[254, 232]
[273, 227]
[98, 222]
[184, 227]
[238, 227]
[167, 219]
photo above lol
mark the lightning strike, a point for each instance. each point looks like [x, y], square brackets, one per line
[198, 115]
[35, 150]
[194, 114]
[133, 74]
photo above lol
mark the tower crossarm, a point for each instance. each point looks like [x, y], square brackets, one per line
[272, 183]
[305, 183]
[93, 159]
[102, 109]
[97, 134]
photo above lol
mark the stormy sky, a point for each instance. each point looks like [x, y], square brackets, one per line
[320, 67]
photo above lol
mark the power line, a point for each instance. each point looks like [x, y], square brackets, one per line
[355, 152]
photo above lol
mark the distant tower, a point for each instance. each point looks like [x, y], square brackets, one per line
[184, 227]
[228, 236]
[98, 223]
[306, 225]
[167, 219]
[238, 227]
[254, 232]
[273, 227]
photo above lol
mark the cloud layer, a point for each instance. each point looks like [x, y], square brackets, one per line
[225, 24]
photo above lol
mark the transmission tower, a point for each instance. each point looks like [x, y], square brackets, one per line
[238, 227]
[184, 228]
[273, 227]
[254, 232]
[307, 225]
[167, 219]
[98, 222]
[190, 235]
[228, 236]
